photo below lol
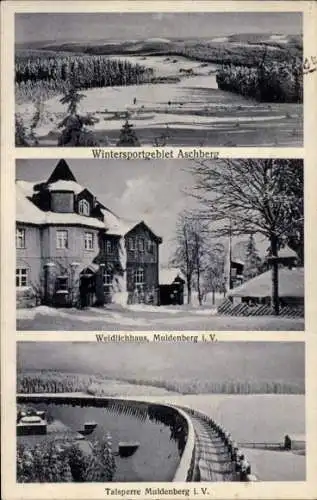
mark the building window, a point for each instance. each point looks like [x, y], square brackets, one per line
[109, 246]
[141, 245]
[107, 280]
[21, 277]
[150, 246]
[61, 239]
[89, 241]
[131, 244]
[83, 207]
[139, 276]
[20, 238]
[139, 283]
[62, 283]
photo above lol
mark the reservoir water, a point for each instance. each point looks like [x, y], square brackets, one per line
[157, 457]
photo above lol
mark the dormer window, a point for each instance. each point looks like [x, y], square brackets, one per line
[83, 207]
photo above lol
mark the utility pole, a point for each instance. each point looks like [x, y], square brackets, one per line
[228, 274]
[274, 261]
[230, 255]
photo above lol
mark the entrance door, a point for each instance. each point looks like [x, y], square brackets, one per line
[87, 290]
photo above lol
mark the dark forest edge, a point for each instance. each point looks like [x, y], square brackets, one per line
[46, 76]
[47, 381]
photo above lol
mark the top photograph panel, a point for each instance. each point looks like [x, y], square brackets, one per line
[159, 79]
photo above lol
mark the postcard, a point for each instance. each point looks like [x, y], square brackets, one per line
[158, 277]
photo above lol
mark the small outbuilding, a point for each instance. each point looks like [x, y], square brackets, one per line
[258, 290]
[171, 287]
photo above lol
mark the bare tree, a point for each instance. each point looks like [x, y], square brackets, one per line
[254, 196]
[214, 271]
[190, 253]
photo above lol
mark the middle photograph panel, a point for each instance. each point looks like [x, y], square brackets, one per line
[160, 245]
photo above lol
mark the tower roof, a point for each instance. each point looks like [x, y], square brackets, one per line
[61, 172]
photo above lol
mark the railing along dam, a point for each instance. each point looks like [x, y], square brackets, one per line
[206, 452]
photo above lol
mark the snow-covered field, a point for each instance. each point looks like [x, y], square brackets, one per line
[146, 318]
[165, 66]
[193, 104]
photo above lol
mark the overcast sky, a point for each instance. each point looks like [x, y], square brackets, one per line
[126, 26]
[253, 361]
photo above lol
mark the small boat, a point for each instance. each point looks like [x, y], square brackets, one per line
[127, 448]
[89, 427]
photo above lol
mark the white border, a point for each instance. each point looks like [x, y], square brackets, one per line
[278, 490]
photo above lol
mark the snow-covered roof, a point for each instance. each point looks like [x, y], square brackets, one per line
[116, 225]
[119, 226]
[237, 261]
[27, 212]
[62, 179]
[72, 218]
[291, 284]
[27, 187]
[65, 186]
[31, 420]
[168, 274]
[287, 252]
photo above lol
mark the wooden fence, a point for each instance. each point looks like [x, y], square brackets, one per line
[229, 309]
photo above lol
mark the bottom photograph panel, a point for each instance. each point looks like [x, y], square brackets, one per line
[224, 411]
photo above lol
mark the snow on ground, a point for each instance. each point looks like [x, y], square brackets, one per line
[151, 109]
[146, 318]
[170, 310]
[220, 39]
[268, 465]
[169, 65]
[163, 104]
[120, 389]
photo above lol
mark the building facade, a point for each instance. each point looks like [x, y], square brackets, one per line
[73, 251]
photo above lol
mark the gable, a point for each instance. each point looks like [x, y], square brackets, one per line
[144, 229]
[61, 172]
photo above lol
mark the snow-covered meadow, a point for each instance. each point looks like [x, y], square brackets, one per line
[187, 108]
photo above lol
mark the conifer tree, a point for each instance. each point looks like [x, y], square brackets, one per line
[128, 136]
[74, 131]
[20, 132]
[252, 260]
